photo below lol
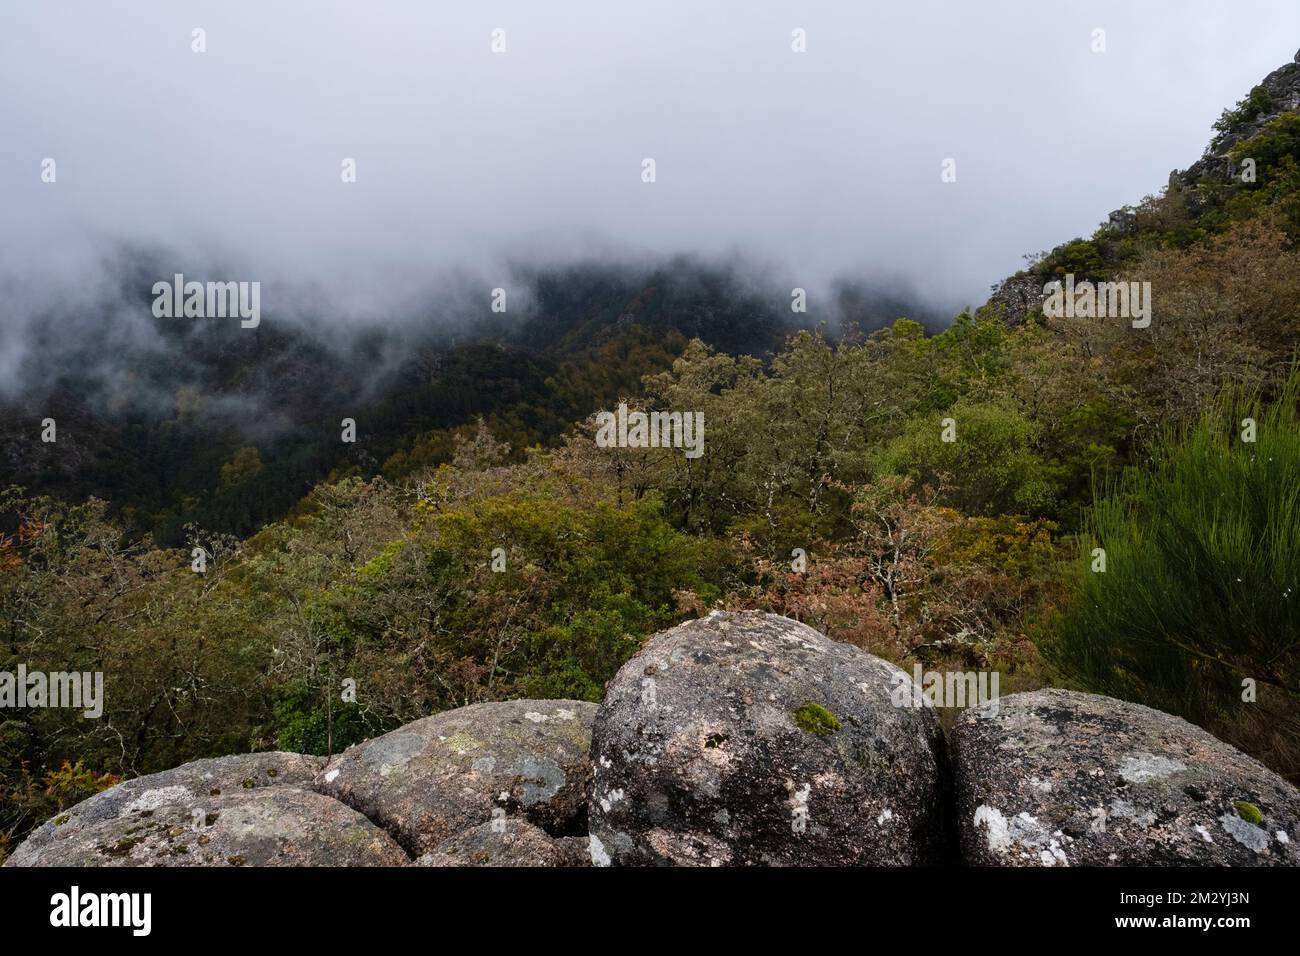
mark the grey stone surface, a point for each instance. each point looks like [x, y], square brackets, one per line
[268, 826]
[1017, 296]
[1054, 778]
[702, 757]
[185, 784]
[436, 777]
[508, 842]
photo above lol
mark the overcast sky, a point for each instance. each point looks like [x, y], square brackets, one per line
[820, 164]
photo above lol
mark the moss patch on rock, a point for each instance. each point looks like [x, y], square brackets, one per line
[1248, 812]
[816, 720]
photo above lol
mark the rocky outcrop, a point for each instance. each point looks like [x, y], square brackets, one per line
[734, 740]
[1062, 778]
[436, 777]
[271, 826]
[1017, 296]
[745, 739]
[1277, 93]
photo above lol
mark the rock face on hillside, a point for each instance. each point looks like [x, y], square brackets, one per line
[1061, 778]
[1280, 92]
[442, 775]
[271, 826]
[751, 739]
[1020, 295]
[190, 785]
[1017, 296]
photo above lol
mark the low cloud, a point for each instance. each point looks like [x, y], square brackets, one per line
[476, 170]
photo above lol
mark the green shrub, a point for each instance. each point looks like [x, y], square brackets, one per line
[1256, 104]
[1201, 589]
[305, 724]
[1276, 145]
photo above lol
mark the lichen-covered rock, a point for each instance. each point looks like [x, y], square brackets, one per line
[504, 842]
[743, 739]
[186, 785]
[270, 826]
[1056, 777]
[436, 777]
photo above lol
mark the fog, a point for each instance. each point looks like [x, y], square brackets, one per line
[808, 167]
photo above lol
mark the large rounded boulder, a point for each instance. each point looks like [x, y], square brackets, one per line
[437, 777]
[188, 785]
[751, 739]
[1056, 778]
[272, 826]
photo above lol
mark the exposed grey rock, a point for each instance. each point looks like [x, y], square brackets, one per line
[439, 776]
[750, 738]
[184, 785]
[1016, 297]
[269, 826]
[1056, 777]
[505, 842]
